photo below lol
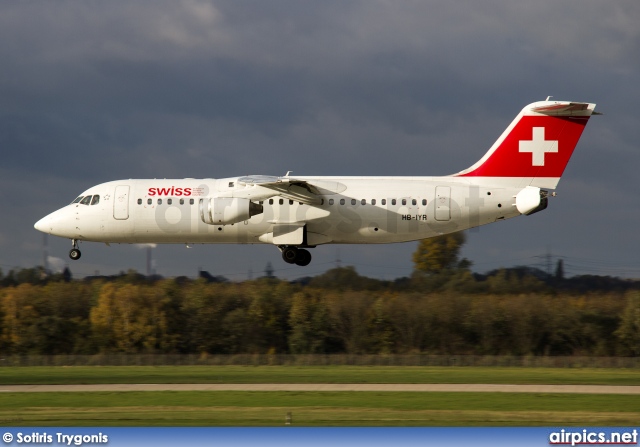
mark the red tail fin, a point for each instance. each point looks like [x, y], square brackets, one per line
[535, 149]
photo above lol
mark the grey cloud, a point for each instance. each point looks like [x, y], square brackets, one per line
[94, 91]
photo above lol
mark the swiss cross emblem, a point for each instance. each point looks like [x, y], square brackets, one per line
[538, 146]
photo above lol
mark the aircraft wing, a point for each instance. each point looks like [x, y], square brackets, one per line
[300, 190]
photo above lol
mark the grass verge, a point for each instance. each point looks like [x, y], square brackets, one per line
[222, 408]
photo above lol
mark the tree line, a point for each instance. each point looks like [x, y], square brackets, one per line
[338, 312]
[443, 308]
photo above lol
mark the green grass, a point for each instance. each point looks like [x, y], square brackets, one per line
[230, 408]
[328, 374]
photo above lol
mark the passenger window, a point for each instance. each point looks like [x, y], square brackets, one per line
[330, 201]
[373, 201]
[414, 202]
[86, 201]
[270, 201]
[281, 201]
[404, 201]
[363, 201]
[321, 202]
[139, 201]
[77, 200]
[383, 201]
[341, 201]
[290, 202]
[149, 201]
[169, 201]
[181, 201]
[353, 201]
[393, 201]
[191, 201]
[424, 201]
[159, 201]
[95, 200]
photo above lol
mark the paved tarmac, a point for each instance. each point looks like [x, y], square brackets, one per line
[475, 388]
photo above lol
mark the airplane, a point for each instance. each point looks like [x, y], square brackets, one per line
[296, 213]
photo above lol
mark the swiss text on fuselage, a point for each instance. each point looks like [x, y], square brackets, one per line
[173, 191]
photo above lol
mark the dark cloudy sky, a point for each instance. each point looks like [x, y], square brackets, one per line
[92, 91]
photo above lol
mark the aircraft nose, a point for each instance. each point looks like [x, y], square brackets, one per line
[44, 224]
[57, 223]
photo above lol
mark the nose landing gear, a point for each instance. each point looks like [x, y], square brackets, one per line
[295, 255]
[74, 253]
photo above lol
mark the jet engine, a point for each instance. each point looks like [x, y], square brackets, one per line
[227, 210]
[531, 200]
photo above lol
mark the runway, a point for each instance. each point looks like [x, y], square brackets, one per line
[333, 387]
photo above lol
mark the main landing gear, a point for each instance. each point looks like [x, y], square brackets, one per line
[295, 255]
[74, 253]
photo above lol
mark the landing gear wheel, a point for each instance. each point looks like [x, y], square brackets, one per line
[303, 258]
[289, 254]
[75, 254]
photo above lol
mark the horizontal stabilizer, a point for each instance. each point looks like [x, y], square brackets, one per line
[565, 109]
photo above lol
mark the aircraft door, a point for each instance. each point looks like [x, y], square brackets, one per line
[121, 202]
[443, 203]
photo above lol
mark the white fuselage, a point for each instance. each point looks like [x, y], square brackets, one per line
[350, 210]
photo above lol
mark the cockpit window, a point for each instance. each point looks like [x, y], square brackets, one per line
[78, 199]
[95, 200]
[86, 201]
